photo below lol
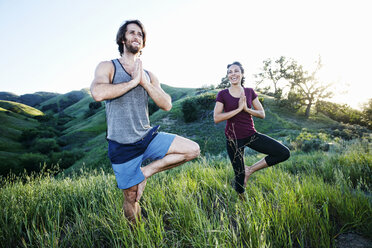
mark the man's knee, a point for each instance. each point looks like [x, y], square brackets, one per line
[130, 194]
[194, 150]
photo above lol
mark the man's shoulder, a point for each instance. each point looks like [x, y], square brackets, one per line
[105, 66]
[106, 63]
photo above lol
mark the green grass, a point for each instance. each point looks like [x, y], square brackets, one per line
[193, 205]
[20, 108]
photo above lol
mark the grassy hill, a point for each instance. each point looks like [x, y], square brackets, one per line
[14, 118]
[322, 193]
[32, 100]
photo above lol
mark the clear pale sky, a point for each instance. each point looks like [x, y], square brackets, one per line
[55, 46]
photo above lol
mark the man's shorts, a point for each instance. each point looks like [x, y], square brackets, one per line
[129, 173]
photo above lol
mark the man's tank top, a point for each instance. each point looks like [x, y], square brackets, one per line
[127, 116]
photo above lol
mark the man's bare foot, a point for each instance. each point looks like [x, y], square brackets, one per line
[248, 172]
[141, 188]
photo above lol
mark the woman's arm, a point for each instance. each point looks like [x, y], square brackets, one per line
[219, 116]
[258, 110]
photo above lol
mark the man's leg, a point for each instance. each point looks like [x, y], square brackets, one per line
[131, 207]
[180, 151]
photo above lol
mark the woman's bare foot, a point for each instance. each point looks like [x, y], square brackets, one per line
[248, 172]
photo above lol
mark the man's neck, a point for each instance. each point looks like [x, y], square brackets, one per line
[129, 58]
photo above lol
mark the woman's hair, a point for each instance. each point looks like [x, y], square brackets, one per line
[120, 36]
[241, 69]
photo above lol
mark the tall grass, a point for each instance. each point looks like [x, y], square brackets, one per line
[191, 206]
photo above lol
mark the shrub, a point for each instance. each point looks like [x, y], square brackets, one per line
[194, 107]
[95, 105]
[65, 159]
[32, 161]
[189, 110]
[152, 107]
[46, 145]
[53, 107]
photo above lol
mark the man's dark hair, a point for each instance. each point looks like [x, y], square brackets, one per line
[120, 36]
[241, 69]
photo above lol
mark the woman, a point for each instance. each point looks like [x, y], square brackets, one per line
[235, 105]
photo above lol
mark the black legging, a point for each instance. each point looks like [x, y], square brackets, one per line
[259, 142]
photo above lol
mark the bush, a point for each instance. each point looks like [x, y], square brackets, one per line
[194, 107]
[46, 145]
[189, 110]
[307, 141]
[65, 159]
[32, 161]
[152, 107]
[95, 105]
[53, 107]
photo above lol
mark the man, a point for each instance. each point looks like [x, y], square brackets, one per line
[125, 87]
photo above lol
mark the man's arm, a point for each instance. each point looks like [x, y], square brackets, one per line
[102, 87]
[153, 88]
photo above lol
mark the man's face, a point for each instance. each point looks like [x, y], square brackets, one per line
[133, 38]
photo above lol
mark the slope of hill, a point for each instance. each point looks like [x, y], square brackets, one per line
[20, 108]
[29, 99]
[81, 125]
[61, 102]
[14, 118]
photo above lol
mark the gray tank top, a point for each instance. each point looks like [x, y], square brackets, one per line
[127, 116]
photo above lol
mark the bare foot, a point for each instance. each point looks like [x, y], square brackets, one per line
[141, 188]
[248, 172]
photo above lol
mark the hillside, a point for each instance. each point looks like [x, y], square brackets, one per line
[28, 99]
[14, 118]
[316, 198]
[77, 125]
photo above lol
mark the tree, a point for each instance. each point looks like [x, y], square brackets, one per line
[367, 113]
[275, 71]
[308, 86]
[225, 83]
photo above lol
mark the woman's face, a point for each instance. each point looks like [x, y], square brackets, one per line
[234, 74]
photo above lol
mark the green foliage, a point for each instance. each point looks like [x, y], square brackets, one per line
[32, 162]
[53, 107]
[46, 145]
[64, 159]
[307, 141]
[152, 107]
[197, 106]
[95, 105]
[225, 83]
[342, 113]
[189, 110]
[293, 102]
[367, 113]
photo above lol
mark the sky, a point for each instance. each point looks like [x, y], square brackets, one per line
[55, 46]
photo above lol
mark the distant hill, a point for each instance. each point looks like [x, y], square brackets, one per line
[74, 122]
[29, 99]
[62, 101]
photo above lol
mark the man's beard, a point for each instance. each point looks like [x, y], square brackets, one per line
[131, 49]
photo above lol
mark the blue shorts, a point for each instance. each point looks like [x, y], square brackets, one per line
[129, 173]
